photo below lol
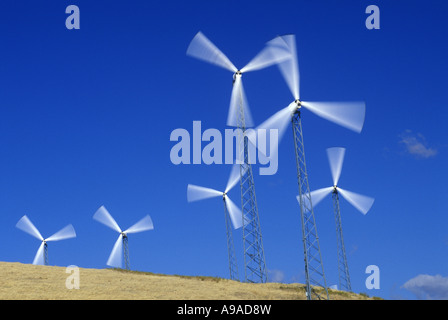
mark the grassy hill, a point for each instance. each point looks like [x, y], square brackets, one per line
[29, 282]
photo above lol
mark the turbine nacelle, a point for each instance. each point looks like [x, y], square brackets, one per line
[236, 75]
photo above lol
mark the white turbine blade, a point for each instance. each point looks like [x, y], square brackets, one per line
[143, 225]
[360, 202]
[237, 100]
[39, 257]
[116, 255]
[347, 114]
[234, 177]
[336, 159]
[267, 57]
[316, 196]
[234, 212]
[103, 216]
[289, 67]
[202, 48]
[195, 193]
[65, 233]
[26, 225]
[280, 121]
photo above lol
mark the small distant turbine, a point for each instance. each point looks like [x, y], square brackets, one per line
[121, 248]
[360, 202]
[41, 257]
[231, 211]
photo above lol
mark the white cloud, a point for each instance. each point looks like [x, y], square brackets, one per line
[416, 145]
[276, 276]
[428, 287]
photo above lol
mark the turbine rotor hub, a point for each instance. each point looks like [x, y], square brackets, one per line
[237, 74]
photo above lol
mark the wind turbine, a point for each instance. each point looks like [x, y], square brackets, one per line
[239, 116]
[231, 212]
[347, 114]
[121, 248]
[360, 202]
[41, 257]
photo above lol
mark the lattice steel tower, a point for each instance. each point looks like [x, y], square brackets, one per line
[233, 265]
[314, 269]
[254, 259]
[45, 253]
[126, 252]
[344, 276]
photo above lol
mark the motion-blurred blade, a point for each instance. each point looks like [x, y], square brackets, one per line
[318, 195]
[238, 100]
[289, 67]
[143, 225]
[234, 212]
[39, 257]
[315, 196]
[195, 193]
[103, 216]
[267, 57]
[116, 255]
[65, 233]
[26, 225]
[234, 177]
[360, 202]
[279, 121]
[347, 114]
[336, 159]
[202, 48]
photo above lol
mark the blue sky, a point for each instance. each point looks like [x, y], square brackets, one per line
[86, 117]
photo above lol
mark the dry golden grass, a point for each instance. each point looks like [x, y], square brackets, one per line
[28, 282]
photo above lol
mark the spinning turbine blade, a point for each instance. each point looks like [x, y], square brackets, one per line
[202, 48]
[103, 216]
[336, 159]
[39, 257]
[267, 57]
[115, 258]
[143, 225]
[195, 193]
[318, 195]
[360, 202]
[238, 96]
[289, 67]
[280, 121]
[347, 114]
[26, 225]
[234, 212]
[234, 177]
[65, 233]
